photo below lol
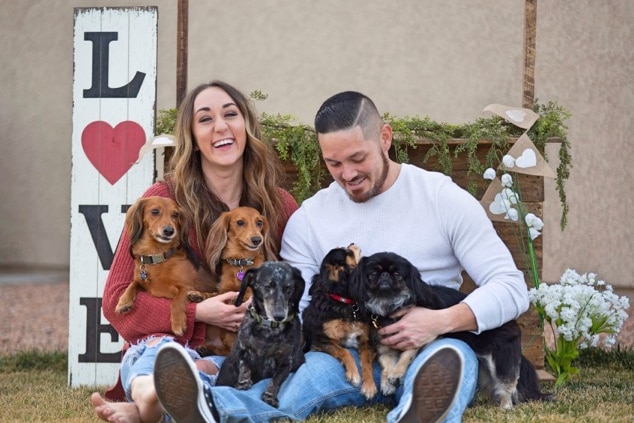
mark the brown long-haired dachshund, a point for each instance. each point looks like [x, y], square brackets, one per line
[164, 264]
[238, 240]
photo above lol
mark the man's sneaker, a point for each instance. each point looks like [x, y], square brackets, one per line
[179, 388]
[435, 387]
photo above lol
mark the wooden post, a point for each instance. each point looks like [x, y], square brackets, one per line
[181, 50]
[530, 32]
[181, 65]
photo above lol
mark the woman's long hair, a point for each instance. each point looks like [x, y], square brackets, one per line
[261, 170]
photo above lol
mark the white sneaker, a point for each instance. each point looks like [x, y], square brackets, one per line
[435, 387]
[179, 388]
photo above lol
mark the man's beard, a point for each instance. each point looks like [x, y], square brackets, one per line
[378, 185]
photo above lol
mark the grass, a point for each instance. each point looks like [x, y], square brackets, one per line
[33, 388]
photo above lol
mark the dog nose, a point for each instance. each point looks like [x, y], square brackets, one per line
[385, 281]
[256, 240]
[168, 231]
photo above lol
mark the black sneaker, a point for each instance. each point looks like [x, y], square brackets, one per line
[435, 387]
[179, 388]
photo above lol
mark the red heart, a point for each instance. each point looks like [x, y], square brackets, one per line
[112, 151]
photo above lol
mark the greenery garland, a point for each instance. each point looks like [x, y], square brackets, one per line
[297, 143]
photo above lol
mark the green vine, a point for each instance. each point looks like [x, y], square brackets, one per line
[297, 143]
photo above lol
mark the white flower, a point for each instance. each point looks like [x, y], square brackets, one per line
[507, 180]
[533, 221]
[489, 174]
[509, 195]
[534, 233]
[508, 161]
[512, 214]
[579, 308]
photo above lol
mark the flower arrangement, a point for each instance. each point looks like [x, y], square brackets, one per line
[581, 312]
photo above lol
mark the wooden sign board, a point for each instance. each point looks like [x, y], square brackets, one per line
[114, 102]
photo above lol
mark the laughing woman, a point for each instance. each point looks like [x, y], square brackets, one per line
[220, 162]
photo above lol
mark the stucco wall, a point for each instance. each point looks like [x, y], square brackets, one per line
[441, 58]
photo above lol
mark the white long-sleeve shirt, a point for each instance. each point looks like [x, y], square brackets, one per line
[428, 219]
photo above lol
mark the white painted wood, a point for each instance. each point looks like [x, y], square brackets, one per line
[134, 50]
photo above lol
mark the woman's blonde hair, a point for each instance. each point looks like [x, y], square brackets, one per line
[261, 170]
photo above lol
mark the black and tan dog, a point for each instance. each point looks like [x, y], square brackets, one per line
[331, 321]
[386, 282]
[270, 341]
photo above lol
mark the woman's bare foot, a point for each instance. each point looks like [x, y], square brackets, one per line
[117, 412]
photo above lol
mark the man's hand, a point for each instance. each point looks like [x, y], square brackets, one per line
[419, 326]
[416, 327]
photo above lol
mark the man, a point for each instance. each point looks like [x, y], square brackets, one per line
[381, 205]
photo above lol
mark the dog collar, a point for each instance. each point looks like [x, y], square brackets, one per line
[157, 258]
[154, 259]
[347, 301]
[240, 262]
[340, 298]
[268, 322]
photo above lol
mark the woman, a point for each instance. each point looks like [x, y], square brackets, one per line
[219, 163]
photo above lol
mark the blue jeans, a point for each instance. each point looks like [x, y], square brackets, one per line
[319, 385]
[140, 357]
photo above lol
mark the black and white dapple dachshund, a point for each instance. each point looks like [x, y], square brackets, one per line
[386, 282]
[270, 341]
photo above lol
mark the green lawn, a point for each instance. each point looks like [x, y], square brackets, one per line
[33, 388]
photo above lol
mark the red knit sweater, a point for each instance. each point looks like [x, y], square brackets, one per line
[151, 315]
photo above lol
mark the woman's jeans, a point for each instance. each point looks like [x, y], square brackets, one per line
[139, 360]
[319, 385]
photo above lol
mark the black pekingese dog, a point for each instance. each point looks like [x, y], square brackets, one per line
[386, 282]
[270, 341]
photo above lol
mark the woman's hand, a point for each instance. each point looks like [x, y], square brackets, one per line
[220, 311]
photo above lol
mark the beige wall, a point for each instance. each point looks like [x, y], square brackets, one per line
[442, 58]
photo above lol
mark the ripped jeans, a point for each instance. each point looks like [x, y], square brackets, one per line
[140, 357]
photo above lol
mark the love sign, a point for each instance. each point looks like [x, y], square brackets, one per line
[114, 97]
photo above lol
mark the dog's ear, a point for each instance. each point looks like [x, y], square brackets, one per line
[183, 227]
[357, 281]
[217, 239]
[270, 252]
[298, 288]
[247, 281]
[134, 220]
[423, 293]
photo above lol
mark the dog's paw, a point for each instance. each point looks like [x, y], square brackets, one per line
[388, 387]
[391, 382]
[195, 296]
[178, 327]
[270, 399]
[244, 384]
[123, 307]
[352, 376]
[369, 389]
